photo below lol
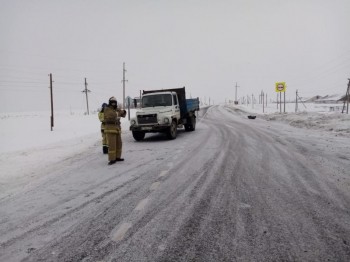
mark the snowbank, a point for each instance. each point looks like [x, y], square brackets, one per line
[21, 131]
[311, 116]
[29, 145]
[334, 122]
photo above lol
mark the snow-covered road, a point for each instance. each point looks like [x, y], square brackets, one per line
[234, 189]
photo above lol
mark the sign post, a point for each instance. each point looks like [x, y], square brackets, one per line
[281, 87]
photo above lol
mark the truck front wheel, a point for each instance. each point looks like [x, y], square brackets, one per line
[138, 136]
[172, 132]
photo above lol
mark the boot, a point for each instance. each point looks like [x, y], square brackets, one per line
[105, 149]
[112, 162]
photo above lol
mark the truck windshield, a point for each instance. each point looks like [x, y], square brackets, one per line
[157, 100]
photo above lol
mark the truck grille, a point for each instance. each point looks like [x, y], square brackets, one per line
[147, 119]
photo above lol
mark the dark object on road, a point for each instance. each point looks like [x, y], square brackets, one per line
[251, 117]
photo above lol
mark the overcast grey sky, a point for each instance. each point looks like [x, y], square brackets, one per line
[205, 45]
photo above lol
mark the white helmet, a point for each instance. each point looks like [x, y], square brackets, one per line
[112, 100]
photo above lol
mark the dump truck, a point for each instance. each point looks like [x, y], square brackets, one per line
[164, 111]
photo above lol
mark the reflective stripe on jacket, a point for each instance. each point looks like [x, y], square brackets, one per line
[101, 116]
[110, 130]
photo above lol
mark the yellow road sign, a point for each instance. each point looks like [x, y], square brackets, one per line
[281, 87]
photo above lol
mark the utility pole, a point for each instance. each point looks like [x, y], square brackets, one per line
[140, 100]
[236, 102]
[262, 100]
[86, 91]
[296, 101]
[124, 70]
[260, 97]
[51, 95]
[347, 98]
[129, 102]
[298, 97]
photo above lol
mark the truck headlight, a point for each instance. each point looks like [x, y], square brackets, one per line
[133, 122]
[166, 120]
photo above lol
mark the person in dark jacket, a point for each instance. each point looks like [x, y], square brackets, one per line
[112, 129]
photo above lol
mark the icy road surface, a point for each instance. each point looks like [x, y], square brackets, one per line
[233, 190]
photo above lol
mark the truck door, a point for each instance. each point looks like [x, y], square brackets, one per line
[176, 106]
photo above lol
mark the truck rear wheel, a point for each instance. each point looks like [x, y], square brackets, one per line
[172, 132]
[192, 123]
[138, 136]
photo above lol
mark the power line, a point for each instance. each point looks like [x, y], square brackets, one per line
[21, 82]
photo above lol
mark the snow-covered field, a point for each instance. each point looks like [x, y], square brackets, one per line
[28, 144]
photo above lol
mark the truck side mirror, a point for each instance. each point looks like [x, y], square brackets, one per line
[135, 103]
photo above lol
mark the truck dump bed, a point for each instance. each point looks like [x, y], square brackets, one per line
[192, 104]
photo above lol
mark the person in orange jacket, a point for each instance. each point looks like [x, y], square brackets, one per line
[112, 129]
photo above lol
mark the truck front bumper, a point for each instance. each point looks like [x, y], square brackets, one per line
[150, 128]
